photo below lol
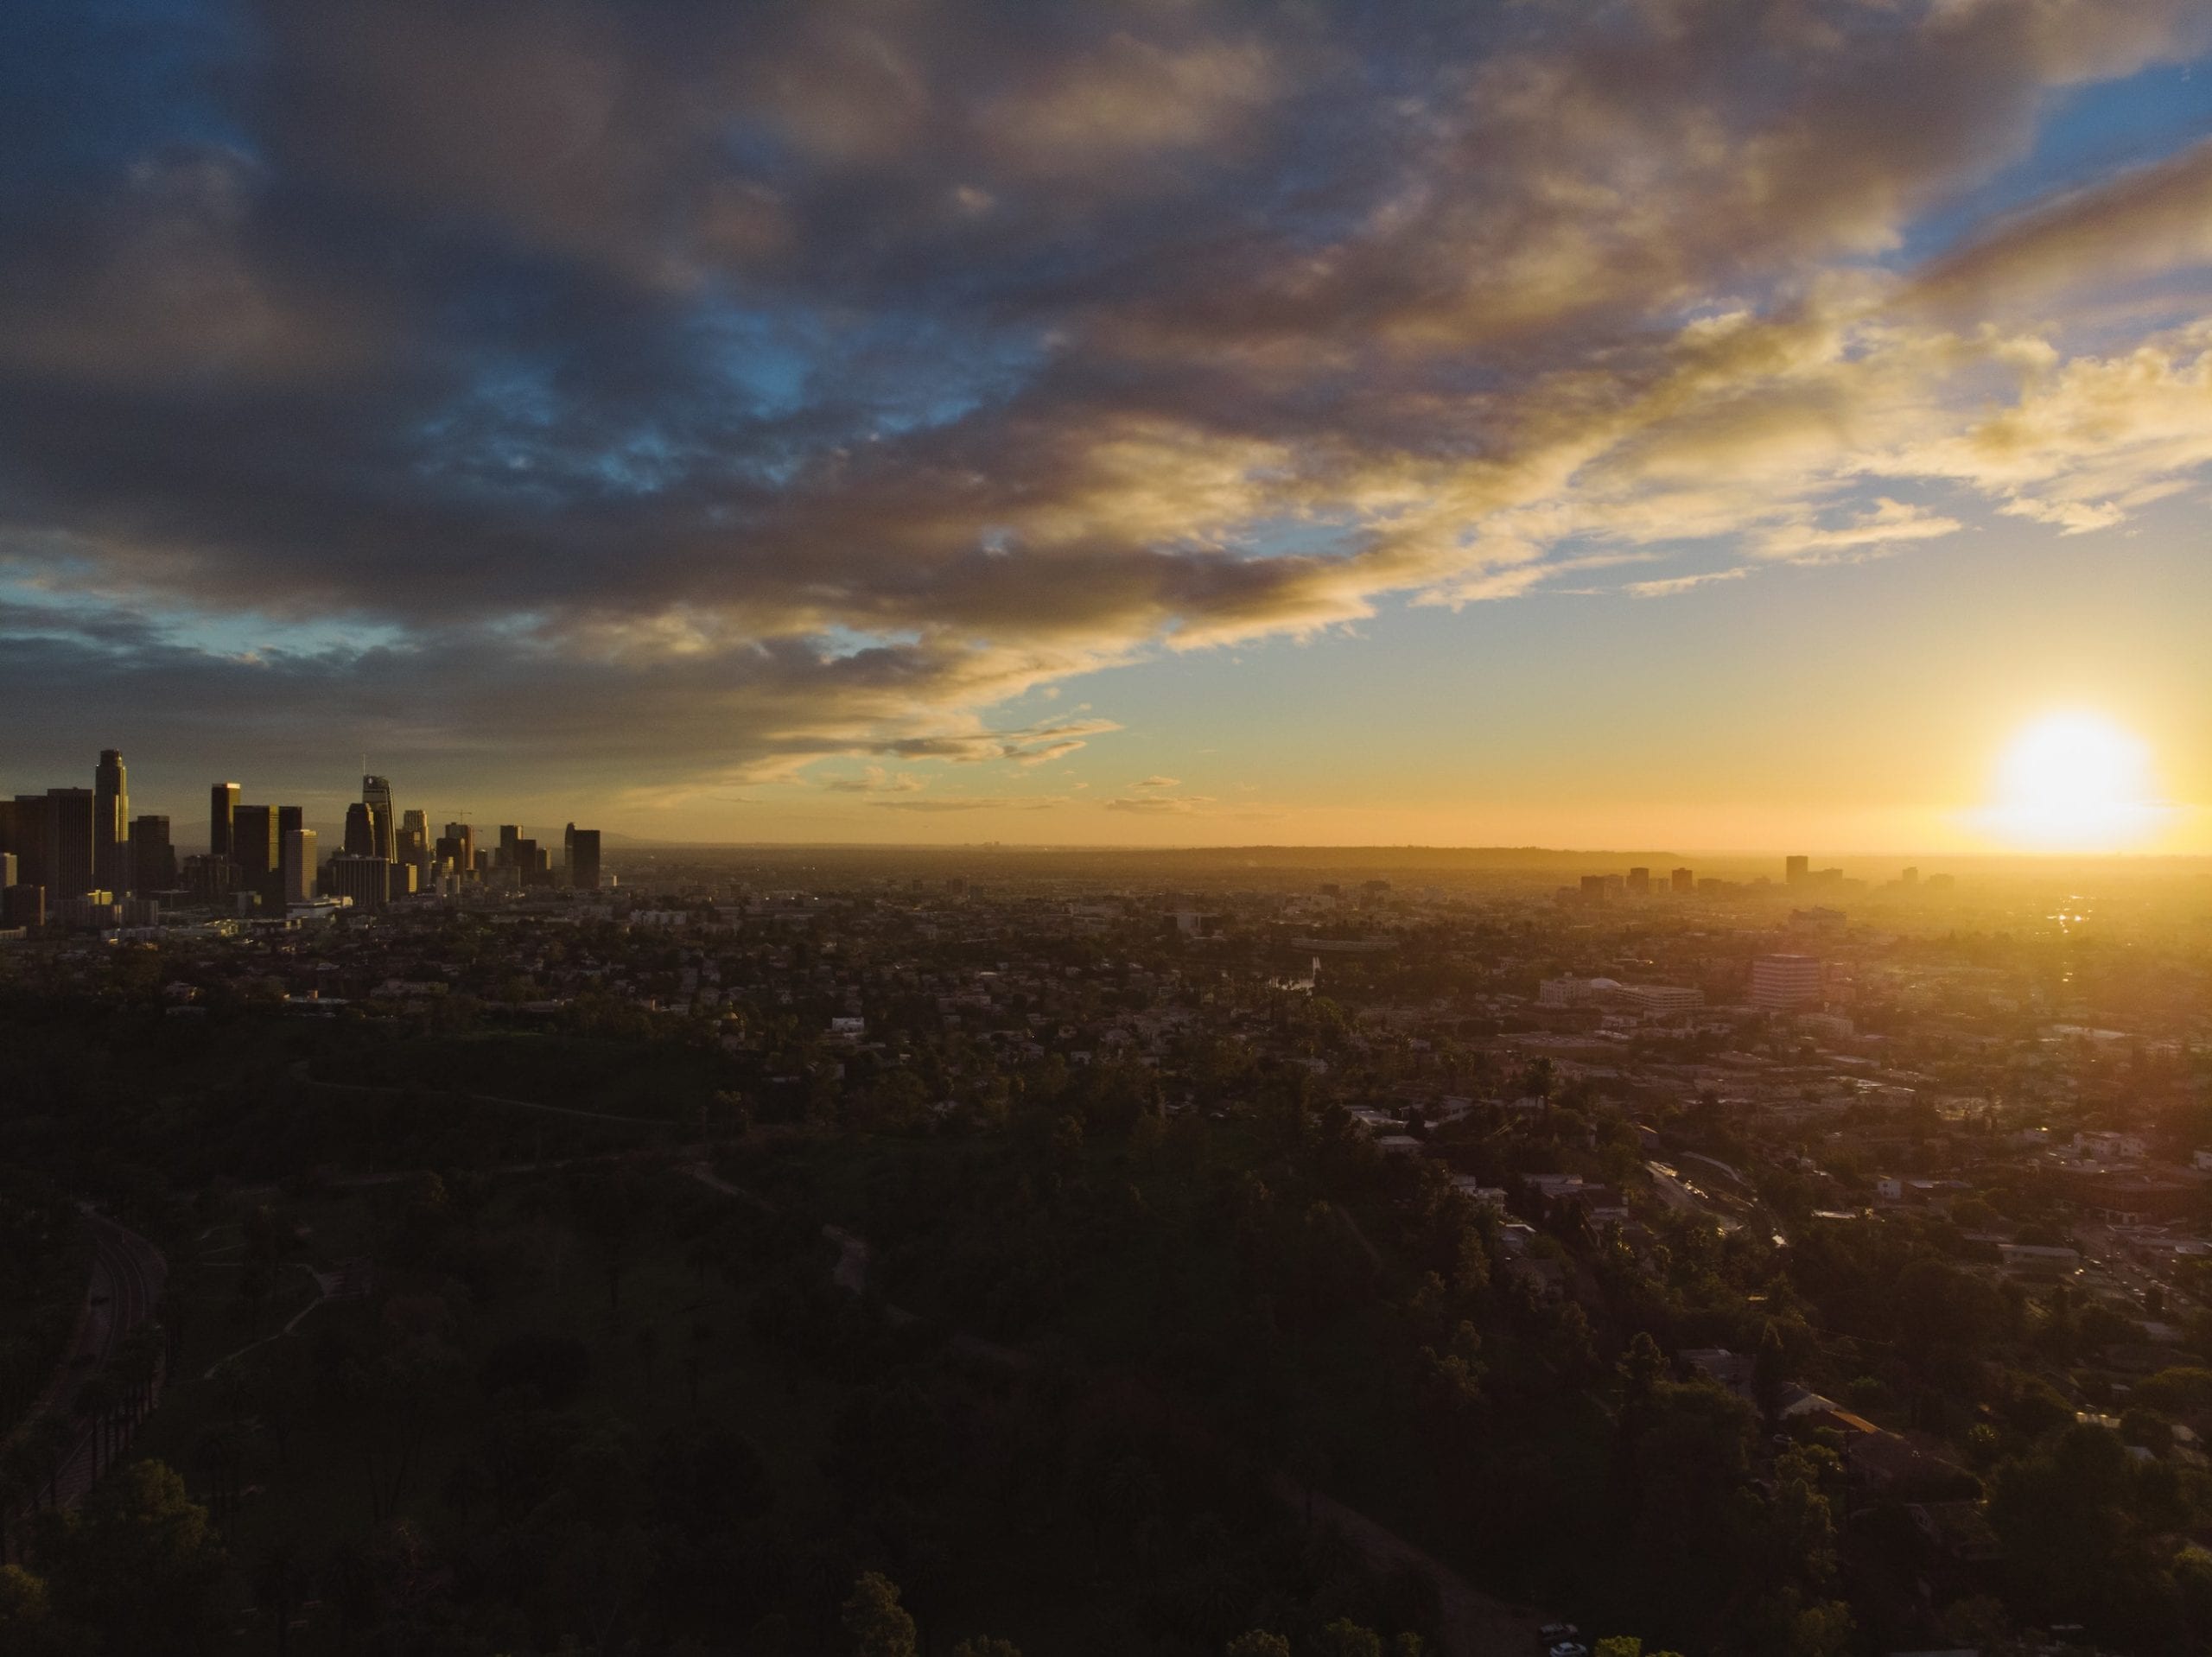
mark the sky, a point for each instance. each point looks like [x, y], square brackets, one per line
[1702, 424]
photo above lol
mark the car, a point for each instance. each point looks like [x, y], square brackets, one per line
[1570, 1648]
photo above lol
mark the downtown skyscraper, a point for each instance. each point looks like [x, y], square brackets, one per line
[111, 870]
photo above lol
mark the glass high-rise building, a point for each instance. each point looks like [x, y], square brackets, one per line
[153, 859]
[222, 806]
[360, 829]
[583, 858]
[111, 869]
[297, 868]
[376, 794]
[70, 818]
[254, 850]
[413, 845]
[32, 818]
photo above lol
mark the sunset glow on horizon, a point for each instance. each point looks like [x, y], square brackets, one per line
[2075, 781]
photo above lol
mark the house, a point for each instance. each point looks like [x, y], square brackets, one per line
[1553, 1187]
[1733, 1372]
[1483, 1197]
[2039, 1258]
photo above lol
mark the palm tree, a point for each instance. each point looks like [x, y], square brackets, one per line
[279, 1576]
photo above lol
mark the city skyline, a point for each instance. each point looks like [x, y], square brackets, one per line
[79, 859]
[368, 815]
[1154, 426]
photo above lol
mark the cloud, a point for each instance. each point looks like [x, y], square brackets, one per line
[678, 397]
[874, 780]
[1156, 804]
[1667, 587]
[1888, 523]
[1155, 797]
[2142, 223]
[974, 802]
[1035, 745]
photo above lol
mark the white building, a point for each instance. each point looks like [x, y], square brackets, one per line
[1662, 997]
[1785, 982]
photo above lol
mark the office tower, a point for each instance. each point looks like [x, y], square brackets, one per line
[93, 909]
[222, 805]
[70, 818]
[210, 880]
[7, 869]
[414, 830]
[254, 850]
[30, 837]
[298, 865]
[583, 858]
[1639, 881]
[22, 906]
[464, 839]
[412, 844]
[522, 855]
[1594, 888]
[1781, 982]
[376, 794]
[1683, 880]
[111, 823]
[366, 880]
[7, 825]
[360, 830]
[1795, 870]
[153, 859]
[289, 817]
[1910, 877]
[509, 837]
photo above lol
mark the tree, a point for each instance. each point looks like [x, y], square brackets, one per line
[279, 1578]
[609, 1208]
[1258, 1642]
[983, 1646]
[1344, 1638]
[878, 1623]
[28, 1625]
[1573, 1348]
[139, 1563]
[1770, 1372]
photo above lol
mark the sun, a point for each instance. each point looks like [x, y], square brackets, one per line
[2077, 782]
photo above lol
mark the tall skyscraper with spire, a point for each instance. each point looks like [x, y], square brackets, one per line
[376, 794]
[111, 824]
